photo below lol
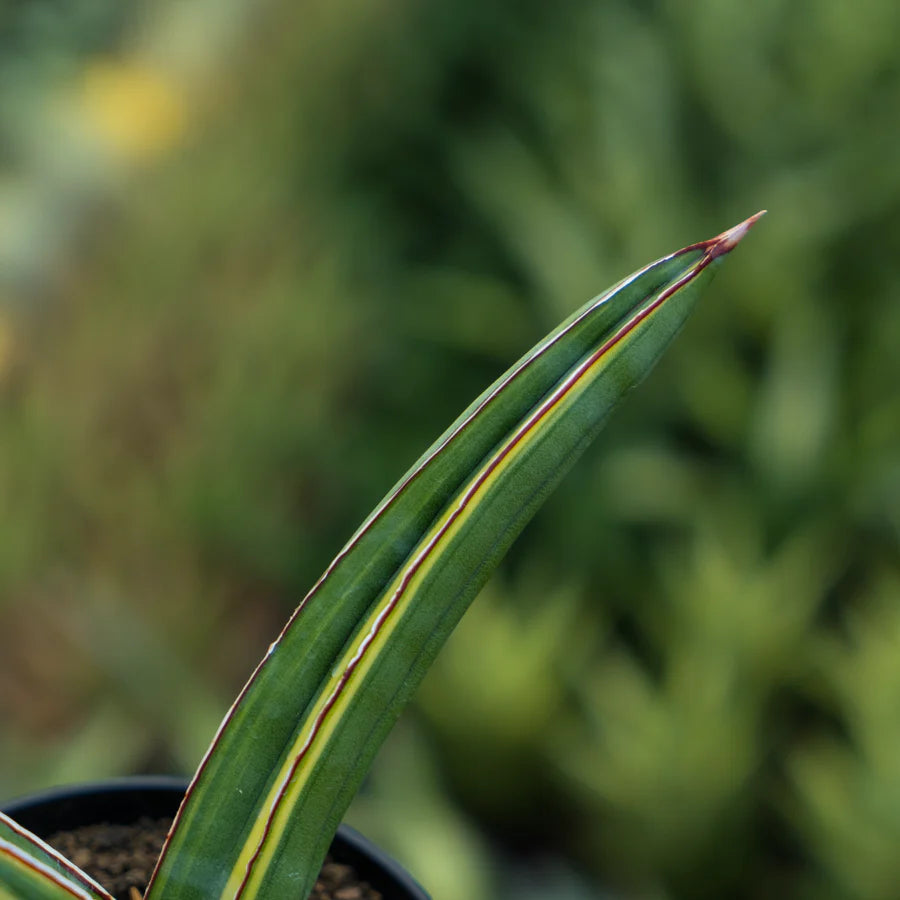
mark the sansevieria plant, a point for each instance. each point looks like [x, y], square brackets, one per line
[267, 797]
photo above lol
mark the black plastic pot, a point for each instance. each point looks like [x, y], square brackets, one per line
[125, 800]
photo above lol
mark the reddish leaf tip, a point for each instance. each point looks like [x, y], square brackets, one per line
[728, 240]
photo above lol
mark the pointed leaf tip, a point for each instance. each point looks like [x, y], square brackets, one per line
[728, 240]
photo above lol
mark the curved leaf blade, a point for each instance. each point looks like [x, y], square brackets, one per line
[32, 870]
[290, 754]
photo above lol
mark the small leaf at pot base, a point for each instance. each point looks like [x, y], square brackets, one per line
[293, 749]
[30, 870]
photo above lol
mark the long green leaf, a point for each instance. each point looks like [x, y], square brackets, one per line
[30, 870]
[290, 754]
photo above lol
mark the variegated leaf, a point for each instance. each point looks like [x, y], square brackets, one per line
[265, 802]
[31, 870]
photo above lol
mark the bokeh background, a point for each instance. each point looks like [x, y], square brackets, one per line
[254, 256]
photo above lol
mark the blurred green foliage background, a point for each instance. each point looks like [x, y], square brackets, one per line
[254, 257]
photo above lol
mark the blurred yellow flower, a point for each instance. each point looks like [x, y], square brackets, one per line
[139, 111]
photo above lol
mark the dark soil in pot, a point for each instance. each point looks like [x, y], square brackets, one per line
[122, 857]
[115, 830]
